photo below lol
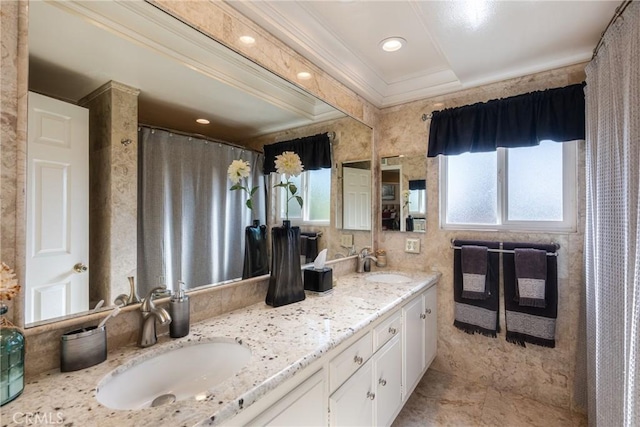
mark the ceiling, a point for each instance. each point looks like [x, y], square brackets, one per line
[76, 47]
[450, 45]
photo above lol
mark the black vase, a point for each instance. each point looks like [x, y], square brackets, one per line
[256, 260]
[285, 283]
[409, 224]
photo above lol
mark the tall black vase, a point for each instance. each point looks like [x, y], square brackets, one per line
[285, 283]
[256, 260]
[409, 223]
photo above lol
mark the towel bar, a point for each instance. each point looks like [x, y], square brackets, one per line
[510, 251]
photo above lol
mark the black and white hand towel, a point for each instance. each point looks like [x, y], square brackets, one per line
[531, 276]
[474, 272]
[477, 315]
[527, 324]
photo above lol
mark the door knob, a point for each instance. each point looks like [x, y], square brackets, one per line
[80, 268]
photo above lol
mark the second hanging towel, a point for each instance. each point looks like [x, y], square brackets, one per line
[531, 323]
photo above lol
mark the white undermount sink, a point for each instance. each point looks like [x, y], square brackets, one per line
[388, 278]
[176, 374]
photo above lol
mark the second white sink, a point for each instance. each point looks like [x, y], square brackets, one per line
[177, 374]
[388, 278]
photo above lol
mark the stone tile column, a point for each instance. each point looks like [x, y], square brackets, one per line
[113, 189]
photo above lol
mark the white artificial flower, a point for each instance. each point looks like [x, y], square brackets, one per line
[238, 169]
[288, 164]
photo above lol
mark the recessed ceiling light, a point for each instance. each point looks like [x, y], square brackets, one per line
[248, 40]
[304, 75]
[203, 121]
[438, 104]
[392, 44]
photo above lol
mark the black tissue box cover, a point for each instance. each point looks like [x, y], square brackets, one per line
[318, 280]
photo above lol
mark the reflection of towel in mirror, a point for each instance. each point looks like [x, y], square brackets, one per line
[531, 275]
[308, 247]
[474, 272]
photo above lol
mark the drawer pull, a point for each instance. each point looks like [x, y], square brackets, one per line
[392, 331]
[382, 382]
[428, 311]
[370, 395]
[358, 360]
[423, 316]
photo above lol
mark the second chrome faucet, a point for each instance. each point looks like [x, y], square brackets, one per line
[151, 314]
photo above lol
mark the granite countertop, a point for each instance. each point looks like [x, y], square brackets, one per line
[282, 340]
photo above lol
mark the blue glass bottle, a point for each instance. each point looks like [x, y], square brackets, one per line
[11, 359]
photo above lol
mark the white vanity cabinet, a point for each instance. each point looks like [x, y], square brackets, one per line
[373, 395]
[420, 337]
[303, 405]
[362, 382]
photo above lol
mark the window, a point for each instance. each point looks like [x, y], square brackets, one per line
[315, 189]
[531, 188]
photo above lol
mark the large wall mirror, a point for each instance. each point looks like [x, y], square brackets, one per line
[123, 71]
[403, 194]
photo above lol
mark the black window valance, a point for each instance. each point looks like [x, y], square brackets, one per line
[418, 184]
[518, 121]
[314, 152]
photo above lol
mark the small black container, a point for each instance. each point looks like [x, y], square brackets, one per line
[318, 280]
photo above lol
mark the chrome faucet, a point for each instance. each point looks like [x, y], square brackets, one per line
[132, 298]
[151, 313]
[364, 259]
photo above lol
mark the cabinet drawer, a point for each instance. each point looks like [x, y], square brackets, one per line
[346, 363]
[386, 330]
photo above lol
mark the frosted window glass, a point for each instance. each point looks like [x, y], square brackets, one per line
[294, 207]
[316, 198]
[535, 183]
[472, 188]
[319, 194]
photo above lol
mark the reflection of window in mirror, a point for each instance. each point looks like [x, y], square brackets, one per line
[391, 194]
[315, 189]
[417, 197]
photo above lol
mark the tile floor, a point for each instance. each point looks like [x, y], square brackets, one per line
[446, 400]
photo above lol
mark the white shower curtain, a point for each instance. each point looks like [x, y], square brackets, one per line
[612, 253]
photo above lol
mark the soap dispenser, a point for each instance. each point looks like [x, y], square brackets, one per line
[179, 312]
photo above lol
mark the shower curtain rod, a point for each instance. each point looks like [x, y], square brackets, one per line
[619, 11]
[509, 251]
[198, 136]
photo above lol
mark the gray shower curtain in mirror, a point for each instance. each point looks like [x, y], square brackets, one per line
[190, 225]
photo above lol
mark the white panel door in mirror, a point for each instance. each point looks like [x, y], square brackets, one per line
[57, 209]
[357, 198]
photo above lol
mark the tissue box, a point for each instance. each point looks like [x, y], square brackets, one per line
[318, 280]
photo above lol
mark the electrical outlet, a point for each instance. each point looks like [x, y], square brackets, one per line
[412, 246]
[346, 240]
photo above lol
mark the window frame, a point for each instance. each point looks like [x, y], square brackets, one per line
[569, 196]
[304, 193]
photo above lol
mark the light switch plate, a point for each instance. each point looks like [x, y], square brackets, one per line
[412, 246]
[346, 240]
